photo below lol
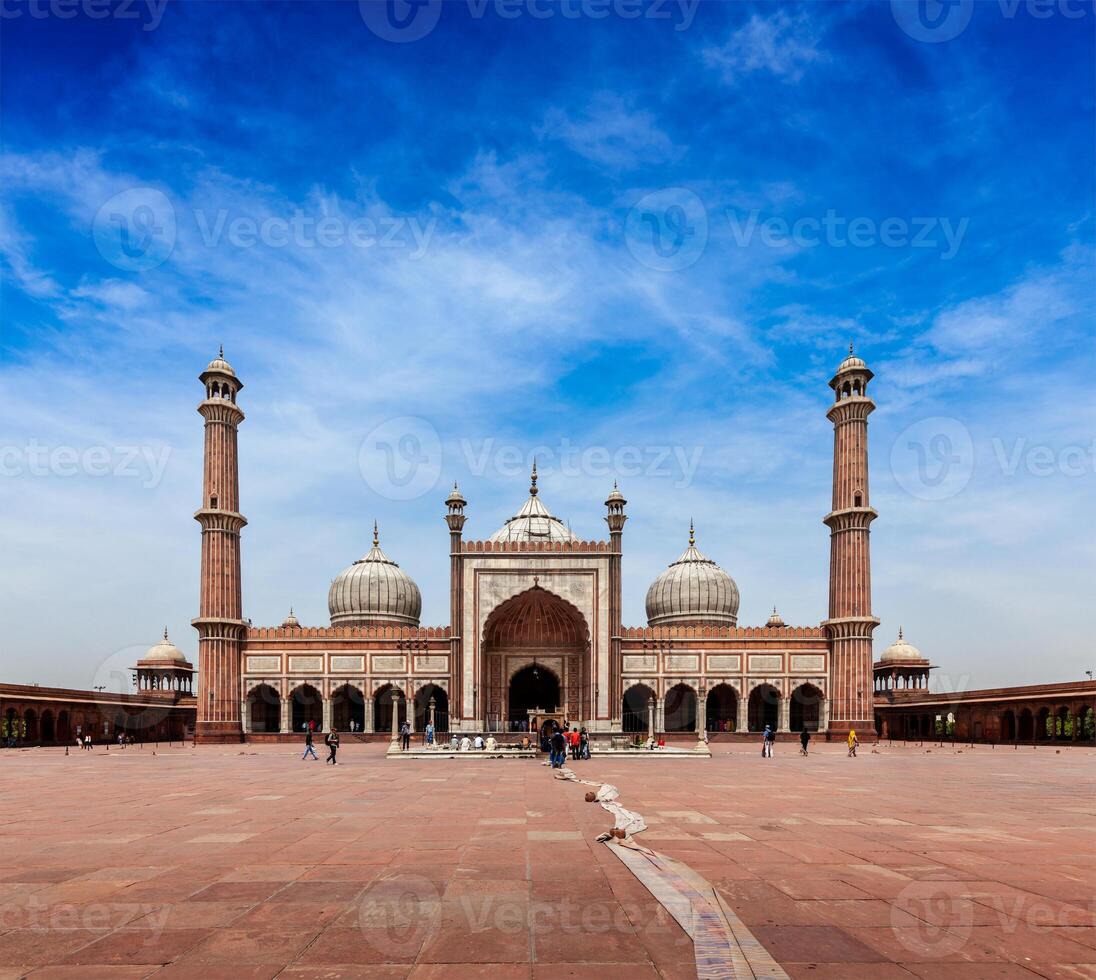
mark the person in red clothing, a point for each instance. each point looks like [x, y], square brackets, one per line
[572, 740]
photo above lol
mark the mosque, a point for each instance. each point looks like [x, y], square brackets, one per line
[535, 628]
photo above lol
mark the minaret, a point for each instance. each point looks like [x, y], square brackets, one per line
[850, 621]
[455, 519]
[615, 518]
[220, 622]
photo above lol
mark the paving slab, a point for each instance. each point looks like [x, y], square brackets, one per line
[250, 863]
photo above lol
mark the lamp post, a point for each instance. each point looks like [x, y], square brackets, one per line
[432, 704]
[395, 716]
[651, 716]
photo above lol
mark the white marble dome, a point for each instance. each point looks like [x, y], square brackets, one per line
[533, 522]
[693, 590]
[374, 591]
[165, 652]
[901, 651]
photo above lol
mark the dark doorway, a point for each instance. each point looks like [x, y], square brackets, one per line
[307, 706]
[347, 705]
[805, 708]
[382, 709]
[441, 708]
[532, 687]
[721, 714]
[680, 709]
[635, 714]
[764, 707]
[266, 709]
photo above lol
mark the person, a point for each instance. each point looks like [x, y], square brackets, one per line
[405, 737]
[804, 738]
[308, 747]
[584, 743]
[429, 733]
[650, 743]
[478, 743]
[465, 744]
[491, 745]
[87, 742]
[768, 737]
[853, 743]
[454, 742]
[79, 743]
[559, 749]
[662, 741]
[332, 741]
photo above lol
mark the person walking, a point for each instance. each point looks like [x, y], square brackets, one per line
[559, 749]
[583, 743]
[804, 739]
[854, 742]
[430, 733]
[308, 747]
[768, 737]
[332, 741]
[405, 737]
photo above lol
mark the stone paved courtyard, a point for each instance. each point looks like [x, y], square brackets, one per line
[246, 862]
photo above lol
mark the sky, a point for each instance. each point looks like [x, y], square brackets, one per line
[631, 239]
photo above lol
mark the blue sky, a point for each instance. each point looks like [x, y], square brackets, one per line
[634, 246]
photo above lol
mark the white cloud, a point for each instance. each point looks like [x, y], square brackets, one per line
[612, 132]
[781, 44]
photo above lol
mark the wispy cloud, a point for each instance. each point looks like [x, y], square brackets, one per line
[782, 44]
[612, 132]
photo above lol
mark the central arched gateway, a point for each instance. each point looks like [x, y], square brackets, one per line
[535, 655]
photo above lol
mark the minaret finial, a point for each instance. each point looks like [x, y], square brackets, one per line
[533, 480]
[899, 632]
[850, 348]
[165, 634]
[376, 535]
[692, 533]
[221, 351]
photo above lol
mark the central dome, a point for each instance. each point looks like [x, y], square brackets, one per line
[693, 590]
[374, 591]
[534, 522]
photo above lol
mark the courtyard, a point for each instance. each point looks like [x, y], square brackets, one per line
[245, 862]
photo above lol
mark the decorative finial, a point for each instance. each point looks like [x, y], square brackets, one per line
[290, 610]
[899, 632]
[692, 533]
[774, 609]
[376, 536]
[536, 581]
[221, 351]
[850, 348]
[165, 634]
[533, 480]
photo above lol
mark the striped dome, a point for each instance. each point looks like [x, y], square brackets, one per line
[693, 590]
[374, 590]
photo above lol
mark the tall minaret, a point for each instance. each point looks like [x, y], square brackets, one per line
[220, 622]
[455, 518]
[850, 622]
[615, 518]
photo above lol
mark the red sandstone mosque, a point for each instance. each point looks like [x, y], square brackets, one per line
[535, 634]
[535, 625]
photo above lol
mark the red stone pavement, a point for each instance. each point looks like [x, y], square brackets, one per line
[246, 862]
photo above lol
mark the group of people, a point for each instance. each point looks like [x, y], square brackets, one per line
[575, 742]
[331, 740]
[768, 739]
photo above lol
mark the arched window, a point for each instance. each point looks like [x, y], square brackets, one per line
[635, 708]
[680, 709]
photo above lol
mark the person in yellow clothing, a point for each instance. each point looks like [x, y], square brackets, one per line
[853, 743]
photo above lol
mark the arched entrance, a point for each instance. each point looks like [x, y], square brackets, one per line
[805, 708]
[535, 655]
[680, 709]
[1043, 725]
[635, 708]
[422, 708]
[1026, 726]
[306, 706]
[64, 732]
[763, 708]
[531, 687]
[347, 705]
[264, 709]
[1008, 727]
[49, 735]
[382, 709]
[30, 718]
[721, 709]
